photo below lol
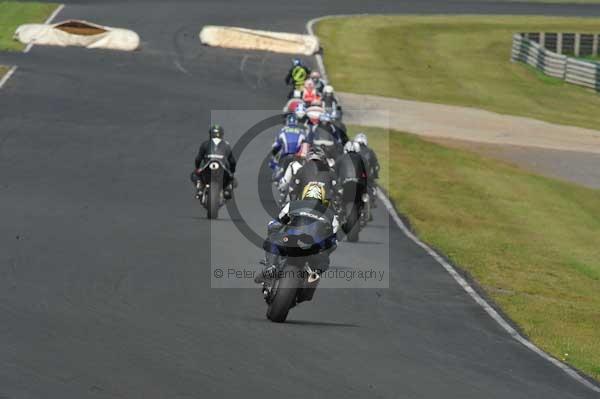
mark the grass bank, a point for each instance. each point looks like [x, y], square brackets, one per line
[532, 243]
[459, 60]
[13, 14]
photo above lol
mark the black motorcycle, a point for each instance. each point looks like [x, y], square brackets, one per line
[294, 280]
[211, 186]
[324, 138]
[354, 204]
[354, 207]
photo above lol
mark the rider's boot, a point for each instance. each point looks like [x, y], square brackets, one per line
[228, 191]
[270, 270]
[373, 196]
[198, 190]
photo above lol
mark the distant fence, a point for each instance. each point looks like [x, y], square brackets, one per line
[577, 44]
[582, 73]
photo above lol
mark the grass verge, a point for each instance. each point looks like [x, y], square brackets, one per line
[459, 60]
[13, 14]
[532, 243]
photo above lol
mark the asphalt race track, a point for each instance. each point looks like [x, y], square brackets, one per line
[105, 260]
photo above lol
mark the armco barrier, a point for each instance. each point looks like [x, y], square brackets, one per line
[582, 73]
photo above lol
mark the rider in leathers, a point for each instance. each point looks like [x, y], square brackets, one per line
[215, 148]
[319, 83]
[372, 164]
[311, 216]
[296, 76]
[315, 169]
[331, 104]
[293, 168]
[326, 127]
[351, 166]
[287, 143]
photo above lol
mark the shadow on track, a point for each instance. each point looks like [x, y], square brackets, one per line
[309, 323]
[320, 323]
[366, 242]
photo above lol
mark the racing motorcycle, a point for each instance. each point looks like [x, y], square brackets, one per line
[211, 186]
[354, 203]
[294, 280]
[321, 135]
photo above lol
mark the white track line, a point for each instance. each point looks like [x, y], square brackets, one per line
[482, 302]
[318, 56]
[7, 76]
[49, 20]
[450, 269]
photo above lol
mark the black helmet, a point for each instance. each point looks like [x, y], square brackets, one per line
[216, 132]
[316, 153]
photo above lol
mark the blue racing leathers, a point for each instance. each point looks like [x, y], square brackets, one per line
[288, 141]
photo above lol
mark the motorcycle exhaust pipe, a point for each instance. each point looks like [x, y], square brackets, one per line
[313, 276]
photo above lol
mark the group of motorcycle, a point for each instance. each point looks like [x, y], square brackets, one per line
[318, 115]
[322, 180]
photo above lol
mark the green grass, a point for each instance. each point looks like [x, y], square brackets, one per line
[460, 60]
[532, 243]
[13, 14]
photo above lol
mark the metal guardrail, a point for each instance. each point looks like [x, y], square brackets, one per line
[583, 73]
[578, 72]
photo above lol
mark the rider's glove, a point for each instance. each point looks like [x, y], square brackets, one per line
[273, 164]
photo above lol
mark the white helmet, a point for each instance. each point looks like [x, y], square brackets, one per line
[352, 146]
[328, 89]
[361, 138]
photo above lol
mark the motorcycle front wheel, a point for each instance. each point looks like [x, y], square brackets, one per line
[214, 200]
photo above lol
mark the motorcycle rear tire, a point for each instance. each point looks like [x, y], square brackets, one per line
[353, 224]
[285, 295]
